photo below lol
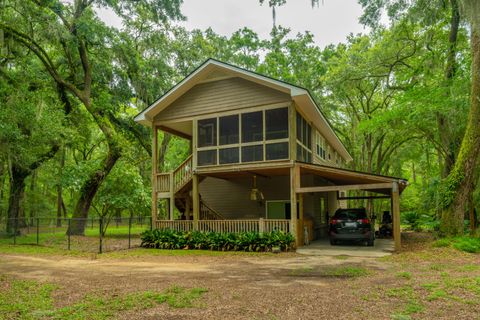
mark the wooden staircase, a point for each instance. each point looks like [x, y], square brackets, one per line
[178, 184]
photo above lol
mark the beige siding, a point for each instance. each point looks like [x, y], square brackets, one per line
[231, 197]
[222, 95]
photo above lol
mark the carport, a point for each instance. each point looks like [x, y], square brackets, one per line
[334, 181]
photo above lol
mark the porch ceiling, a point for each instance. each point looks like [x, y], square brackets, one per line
[337, 176]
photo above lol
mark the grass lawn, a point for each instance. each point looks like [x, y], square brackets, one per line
[116, 238]
[26, 299]
[424, 281]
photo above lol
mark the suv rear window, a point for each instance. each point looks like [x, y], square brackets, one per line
[350, 214]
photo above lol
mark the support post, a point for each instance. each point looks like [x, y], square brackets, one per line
[171, 200]
[38, 231]
[129, 232]
[15, 226]
[187, 207]
[196, 201]
[68, 234]
[396, 216]
[100, 242]
[154, 174]
[301, 231]
[261, 225]
[294, 183]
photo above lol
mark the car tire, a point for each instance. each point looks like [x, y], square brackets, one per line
[333, 242]
[370, 243]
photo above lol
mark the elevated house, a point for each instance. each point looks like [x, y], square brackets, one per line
[258, 145]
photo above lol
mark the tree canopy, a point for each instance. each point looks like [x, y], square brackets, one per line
[402, 97]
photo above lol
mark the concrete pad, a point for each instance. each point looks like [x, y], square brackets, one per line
[382, 248]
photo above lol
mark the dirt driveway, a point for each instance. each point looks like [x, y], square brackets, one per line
[239, 287]
[284, 286]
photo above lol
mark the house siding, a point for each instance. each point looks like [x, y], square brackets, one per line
[223, 95]
[231, 197]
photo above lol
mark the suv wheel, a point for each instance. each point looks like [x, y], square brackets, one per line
[370, 243]
[333, 242]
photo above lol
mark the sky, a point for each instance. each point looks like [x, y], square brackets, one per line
[330, 22]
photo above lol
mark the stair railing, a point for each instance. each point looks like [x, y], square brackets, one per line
[182, 174]
[207, 213]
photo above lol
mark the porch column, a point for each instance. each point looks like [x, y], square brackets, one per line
[300, 225]
[154, 176]
[196, 201]
[396, 216]
[187, 207]
[171, 200]
[294, 184]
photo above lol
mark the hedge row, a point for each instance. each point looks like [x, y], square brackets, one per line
[245, 241]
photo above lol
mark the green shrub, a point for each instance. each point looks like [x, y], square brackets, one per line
[467, 244]
[244, 241]
[442, 243]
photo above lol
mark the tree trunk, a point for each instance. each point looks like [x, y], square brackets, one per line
[17, 192]
[163, 151]
[447, 139]
[88, 191]
[460, 182]
[59, 188]
[471, 211]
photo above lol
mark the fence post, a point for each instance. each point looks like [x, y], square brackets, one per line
[151, 223]
[15, 225]
[68, 234]
[92, 222]
[261, 225]
[38, 230]
[129, 231]
[100, 223]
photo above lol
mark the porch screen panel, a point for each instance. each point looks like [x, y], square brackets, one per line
[207, 157]
[252, 126]
[228, 155]
[207, 132]
[276, 124]
[276, 151]
[252, 153]
[229, 130]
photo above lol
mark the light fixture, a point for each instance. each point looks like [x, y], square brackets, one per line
[255, 194]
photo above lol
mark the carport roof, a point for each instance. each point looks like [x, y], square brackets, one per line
[340, 176]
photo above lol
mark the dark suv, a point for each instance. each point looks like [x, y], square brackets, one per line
[351, 224]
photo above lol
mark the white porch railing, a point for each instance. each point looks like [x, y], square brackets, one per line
[224, 226]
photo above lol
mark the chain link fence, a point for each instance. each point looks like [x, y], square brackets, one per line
[99, 234]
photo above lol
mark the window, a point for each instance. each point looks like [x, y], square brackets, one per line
[228, 129]
[207, 132]
[319, 145]
[207, 157]
[304, 140]
[275, 151]
[228, 155]
[252, 126]
[245, 137]
[252, 153]
[276, 124]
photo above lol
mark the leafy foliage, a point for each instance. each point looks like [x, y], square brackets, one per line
[244, 241]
